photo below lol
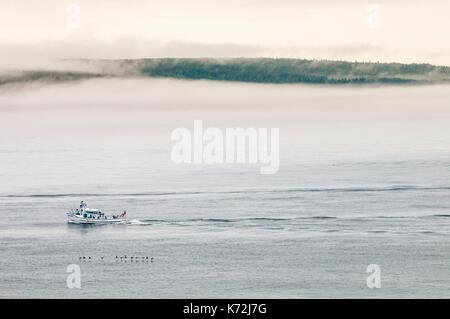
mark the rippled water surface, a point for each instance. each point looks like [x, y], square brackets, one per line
[364, 179]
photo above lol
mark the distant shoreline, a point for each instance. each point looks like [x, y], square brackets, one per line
[248, 70]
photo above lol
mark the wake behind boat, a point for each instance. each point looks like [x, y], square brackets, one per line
[85, 215]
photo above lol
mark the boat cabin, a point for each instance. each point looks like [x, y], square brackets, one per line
[86, 212]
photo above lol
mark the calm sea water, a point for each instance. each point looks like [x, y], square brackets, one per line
[364, 179]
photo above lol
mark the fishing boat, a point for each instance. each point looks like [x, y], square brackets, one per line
[91, 216]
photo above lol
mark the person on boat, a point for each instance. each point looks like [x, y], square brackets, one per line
[124, 214]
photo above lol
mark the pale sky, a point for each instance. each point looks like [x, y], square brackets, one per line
[386, 30]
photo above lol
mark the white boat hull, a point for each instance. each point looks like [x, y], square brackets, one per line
[91, 221]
